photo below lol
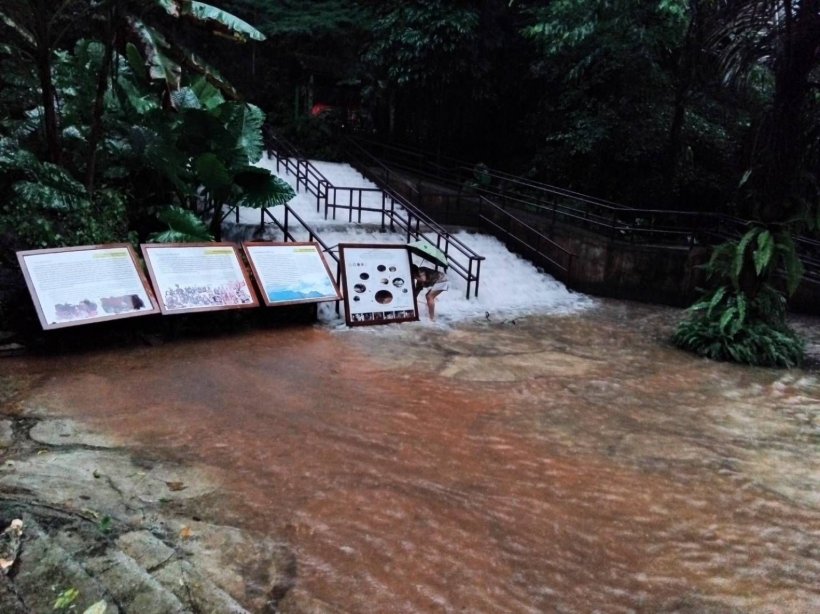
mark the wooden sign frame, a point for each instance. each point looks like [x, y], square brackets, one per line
[376, 275]
[183, 285]
[71, 285]
[297, 274]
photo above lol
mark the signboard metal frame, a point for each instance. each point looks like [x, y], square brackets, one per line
[265, 285]
[129, 304]
[371, 278]
[193, 292]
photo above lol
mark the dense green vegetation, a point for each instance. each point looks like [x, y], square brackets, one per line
[111, 121]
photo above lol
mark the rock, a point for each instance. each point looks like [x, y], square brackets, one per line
[252, 568]
[104, 482]
[204, 596]
[132, 587]
[146, 549]
[6, 433]
[44, 570]
[10, 602]
[68, 432]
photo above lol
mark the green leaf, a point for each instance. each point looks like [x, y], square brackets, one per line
[238, 29]
[726, 317]
[715, 300]
[244, 122]
[136, 61]
[66, 598]
[154, 47]
[740, 253]
[260, 188]
[209, 96]
[192, 61]
[211, 171]
[764, 251]
[183, 227]
[105, 524]
[742, 304]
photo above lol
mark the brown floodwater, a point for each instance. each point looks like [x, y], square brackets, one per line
[573, 463]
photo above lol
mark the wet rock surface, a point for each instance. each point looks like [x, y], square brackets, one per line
[100, 521]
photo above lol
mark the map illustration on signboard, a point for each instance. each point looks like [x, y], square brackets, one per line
[288, 273]
[198, 277]
[378, 285]
[85, 284]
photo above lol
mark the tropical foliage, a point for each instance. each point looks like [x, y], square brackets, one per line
[108, 131]
[778, 190]
[743, 318]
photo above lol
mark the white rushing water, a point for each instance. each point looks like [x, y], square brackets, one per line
[510, 286]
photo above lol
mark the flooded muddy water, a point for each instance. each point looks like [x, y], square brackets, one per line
[549, 464]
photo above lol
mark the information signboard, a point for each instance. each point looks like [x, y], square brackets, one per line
[85, 284]
[378, 285]
[192, 277]
[289, 273]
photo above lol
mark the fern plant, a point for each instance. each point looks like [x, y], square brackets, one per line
[743, 318]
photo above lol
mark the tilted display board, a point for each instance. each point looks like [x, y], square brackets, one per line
[378, 285]
[289, 273]
[191, 277]
[86, 284]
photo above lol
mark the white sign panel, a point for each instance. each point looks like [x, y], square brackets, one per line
[378, 285]
[289, 273]
[80, 285]
[198, 276]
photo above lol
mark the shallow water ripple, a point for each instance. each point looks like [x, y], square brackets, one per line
[567, 464]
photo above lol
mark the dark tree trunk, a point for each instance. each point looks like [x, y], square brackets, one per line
[47, 91]
[686, 75]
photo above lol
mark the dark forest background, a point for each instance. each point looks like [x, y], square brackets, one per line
[627, 100]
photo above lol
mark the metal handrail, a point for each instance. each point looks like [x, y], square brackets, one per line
[412, 221]
[452, 173]
[561, 271]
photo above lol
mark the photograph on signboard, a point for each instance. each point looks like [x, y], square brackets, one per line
[86, 284]
[288, 273]
[378, 285]
[191, 277]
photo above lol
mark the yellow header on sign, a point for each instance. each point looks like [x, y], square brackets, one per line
[122, 254]
[304, 249]
[218, 251]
